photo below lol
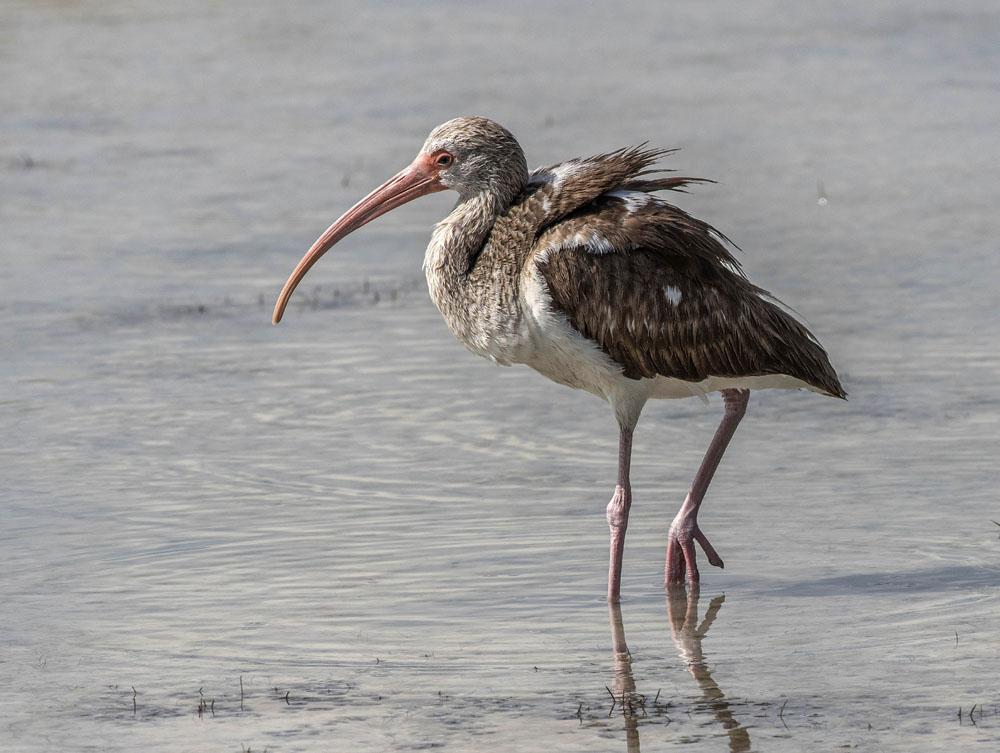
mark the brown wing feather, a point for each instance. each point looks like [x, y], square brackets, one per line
[662, 295]
[555, 191]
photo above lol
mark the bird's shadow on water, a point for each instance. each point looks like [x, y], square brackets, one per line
[687, 633]
[948, 578]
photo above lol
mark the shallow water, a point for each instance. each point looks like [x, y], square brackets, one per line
[396, 546]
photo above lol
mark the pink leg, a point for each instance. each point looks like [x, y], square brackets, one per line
[618, 509]
[684, 531]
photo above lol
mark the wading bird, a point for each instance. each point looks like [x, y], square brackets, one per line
[579, 271]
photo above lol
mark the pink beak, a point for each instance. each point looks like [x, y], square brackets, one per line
[419, 179]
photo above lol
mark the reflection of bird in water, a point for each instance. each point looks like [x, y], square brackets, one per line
[581, 272]
[687, 634]
[682, 611]
[623, 682]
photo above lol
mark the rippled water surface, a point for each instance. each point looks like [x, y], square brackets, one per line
[347, 534]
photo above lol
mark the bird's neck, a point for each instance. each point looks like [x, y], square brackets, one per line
[476, 296]
[459, 237]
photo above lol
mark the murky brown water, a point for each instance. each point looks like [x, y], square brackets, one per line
[397, 546]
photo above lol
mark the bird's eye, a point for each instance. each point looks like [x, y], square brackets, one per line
[445, 159]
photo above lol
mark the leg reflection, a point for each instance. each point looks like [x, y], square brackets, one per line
[687, 634]
[623, 682]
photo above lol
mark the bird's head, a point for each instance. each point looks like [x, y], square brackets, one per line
[470, 155]
[476, 155]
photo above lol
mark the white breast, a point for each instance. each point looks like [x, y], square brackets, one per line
[484, 315]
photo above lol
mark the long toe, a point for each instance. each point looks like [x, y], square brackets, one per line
[713, 556]
[691, 563]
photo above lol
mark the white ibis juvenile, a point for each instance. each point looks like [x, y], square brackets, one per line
[579, 271]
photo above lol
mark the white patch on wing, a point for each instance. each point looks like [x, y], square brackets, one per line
[634, 200]
[673, 294]
[599, 244]
[591, 240]
[566, 170]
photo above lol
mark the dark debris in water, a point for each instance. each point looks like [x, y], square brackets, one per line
[606, 711]
[127, 703]
[361, 295]
[21, 162]
[365, 294]
[976, 714]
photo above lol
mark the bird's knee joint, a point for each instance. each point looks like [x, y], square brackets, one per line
[736, 402]
[618, 507]
[617, 518]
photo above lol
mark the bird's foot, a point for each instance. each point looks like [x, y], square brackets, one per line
[682, 561]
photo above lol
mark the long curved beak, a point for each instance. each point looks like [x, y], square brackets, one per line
[419, 179]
